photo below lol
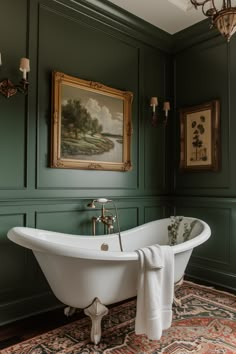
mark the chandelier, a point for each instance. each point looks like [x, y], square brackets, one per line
[223, 18]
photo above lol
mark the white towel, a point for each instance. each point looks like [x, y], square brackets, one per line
[155, 291]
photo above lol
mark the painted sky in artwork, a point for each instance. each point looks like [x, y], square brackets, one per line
[108, 110]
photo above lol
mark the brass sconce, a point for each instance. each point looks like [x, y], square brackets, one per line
[155, 114]
[8, 88]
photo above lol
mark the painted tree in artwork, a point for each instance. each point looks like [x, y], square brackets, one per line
[80, 133]
[197, 142]
[76, 120]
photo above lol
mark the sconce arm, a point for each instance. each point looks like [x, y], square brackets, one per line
[9, 89]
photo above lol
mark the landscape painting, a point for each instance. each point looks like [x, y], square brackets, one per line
[91, 125]
[199, 137]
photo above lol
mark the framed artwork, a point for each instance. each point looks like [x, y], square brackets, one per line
[91, 125]
[199, 137]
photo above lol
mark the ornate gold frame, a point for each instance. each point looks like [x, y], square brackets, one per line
[109, 98]
[200, 137]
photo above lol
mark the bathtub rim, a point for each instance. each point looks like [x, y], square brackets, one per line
[23, 237]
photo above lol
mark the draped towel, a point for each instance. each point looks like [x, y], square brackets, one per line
[155, 290]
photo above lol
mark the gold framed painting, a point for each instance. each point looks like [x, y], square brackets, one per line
[199, 137]
[91, 125]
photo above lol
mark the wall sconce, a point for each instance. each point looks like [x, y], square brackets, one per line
[8, 89]
[155, 115]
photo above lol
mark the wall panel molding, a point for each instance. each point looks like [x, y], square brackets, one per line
[14, 258]
[207, 57]
[195, 35]
[211, 276]
[28, 306]
[123, 54]
[14, 111]
[122, 21]
[216, 256]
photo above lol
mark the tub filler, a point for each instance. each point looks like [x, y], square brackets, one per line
[89, 272]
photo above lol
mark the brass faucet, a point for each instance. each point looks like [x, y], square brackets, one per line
[106, 217]
[107, 220]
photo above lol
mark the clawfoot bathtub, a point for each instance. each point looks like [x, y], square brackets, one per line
[81, 273]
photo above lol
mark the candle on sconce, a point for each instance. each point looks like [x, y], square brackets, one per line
[24, 66]
[154, 103]
[166, 107]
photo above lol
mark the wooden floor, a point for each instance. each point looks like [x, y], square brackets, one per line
[21, 330]
[27, 328]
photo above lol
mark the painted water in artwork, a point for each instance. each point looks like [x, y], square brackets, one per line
[91, 125]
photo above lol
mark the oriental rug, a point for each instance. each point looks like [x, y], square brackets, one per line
[204, 323]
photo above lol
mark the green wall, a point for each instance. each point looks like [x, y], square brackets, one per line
[95, 41]
[204, 69]
[92, 41]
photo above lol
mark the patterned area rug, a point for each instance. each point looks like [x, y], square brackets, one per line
[205, 323]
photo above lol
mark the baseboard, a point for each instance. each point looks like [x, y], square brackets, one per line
[28, 306]
[213, 277]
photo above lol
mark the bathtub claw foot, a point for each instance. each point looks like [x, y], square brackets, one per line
[96, 311]
[69, 311]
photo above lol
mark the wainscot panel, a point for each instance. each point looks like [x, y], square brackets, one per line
[13, 257]
[80, 222]
[216, 256]
[21, 292]
[154, 213]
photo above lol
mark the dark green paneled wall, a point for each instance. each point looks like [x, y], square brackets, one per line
[97, 56]
[205, 70]
[93, 41]
[13, 131]
[202, 74]
[96, 41]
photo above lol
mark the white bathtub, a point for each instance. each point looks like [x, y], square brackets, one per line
[77, 270]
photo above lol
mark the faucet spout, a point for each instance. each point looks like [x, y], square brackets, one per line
[106, 218]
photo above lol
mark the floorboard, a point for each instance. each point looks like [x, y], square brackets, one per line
[24, 329]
